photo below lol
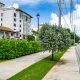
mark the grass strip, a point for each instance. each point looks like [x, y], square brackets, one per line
[38, 70]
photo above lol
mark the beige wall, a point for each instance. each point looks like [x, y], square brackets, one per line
[4, 34]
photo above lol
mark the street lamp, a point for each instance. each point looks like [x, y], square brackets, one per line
[38, 15]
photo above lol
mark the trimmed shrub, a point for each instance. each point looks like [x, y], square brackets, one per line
[30, 38]
[10, 49]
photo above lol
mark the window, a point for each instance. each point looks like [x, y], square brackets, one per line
[1, 24]
[20, 30]
[1, 19]
[14, 14]
[30, 20]
[20, 25]
[1, 14]
[17, 35]
[20, 35]
[20, 14]
[14, 24]
[14, 19]
[26, 18]
[11, 34]
[20, 20]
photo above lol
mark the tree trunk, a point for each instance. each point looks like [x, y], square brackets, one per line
[52, 54]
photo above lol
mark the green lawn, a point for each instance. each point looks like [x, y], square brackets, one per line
[38, 70]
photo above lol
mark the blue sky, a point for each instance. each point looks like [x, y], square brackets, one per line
[44, 8]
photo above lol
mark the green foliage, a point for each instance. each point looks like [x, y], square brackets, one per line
[30, 38]
[10, 49]
[45, 36]
[77, 38]
[54, 37]
[72, 42]
[63, 38]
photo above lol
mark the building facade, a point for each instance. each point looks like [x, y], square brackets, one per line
[6, 32]
[15, 19]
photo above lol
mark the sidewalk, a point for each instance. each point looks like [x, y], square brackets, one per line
[66, 68]
[11, 67]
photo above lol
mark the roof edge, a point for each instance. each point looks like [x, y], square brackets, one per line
[24, 12]
[6, 29]
[2, 3]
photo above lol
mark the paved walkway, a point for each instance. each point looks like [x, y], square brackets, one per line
[11, 67]
[66, 68]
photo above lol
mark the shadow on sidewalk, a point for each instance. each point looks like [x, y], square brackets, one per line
[62, 62]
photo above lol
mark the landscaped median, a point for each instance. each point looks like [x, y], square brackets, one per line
[11, 48]
[38, 70]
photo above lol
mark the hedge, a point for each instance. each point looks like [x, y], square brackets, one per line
[10, 49]
[30, 38]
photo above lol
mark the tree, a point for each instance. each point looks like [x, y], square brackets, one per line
[77, 38]
[54, 38]
[63, 38]
[30, 38]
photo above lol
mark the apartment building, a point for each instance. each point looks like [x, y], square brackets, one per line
[15, 19]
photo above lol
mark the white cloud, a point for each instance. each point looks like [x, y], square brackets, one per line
[15, 5]
[76, 18]
[54, 19]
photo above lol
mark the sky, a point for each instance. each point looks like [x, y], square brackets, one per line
[48, 10]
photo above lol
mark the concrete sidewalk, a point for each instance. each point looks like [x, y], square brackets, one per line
[11, 67]
[66, 68]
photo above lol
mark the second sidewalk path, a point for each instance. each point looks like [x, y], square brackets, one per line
[11, 67]
[66, 69]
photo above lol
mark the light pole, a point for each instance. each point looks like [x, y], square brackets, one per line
[38, 15]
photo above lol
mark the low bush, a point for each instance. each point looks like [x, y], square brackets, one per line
[10, 49]
[30, 38]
